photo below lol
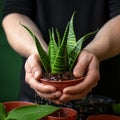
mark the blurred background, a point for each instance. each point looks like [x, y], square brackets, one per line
[10, 65]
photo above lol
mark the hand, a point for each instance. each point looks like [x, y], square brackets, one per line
[33, 72]
[87, 65]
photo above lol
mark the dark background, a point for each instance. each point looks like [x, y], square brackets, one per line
[10, 65]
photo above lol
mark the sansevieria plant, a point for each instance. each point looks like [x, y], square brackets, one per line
[61, 55]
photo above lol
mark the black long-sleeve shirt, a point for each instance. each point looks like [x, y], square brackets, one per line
[90, 15]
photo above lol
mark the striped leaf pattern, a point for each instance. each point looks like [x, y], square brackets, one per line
[60, 63]
[71, 40]
[43, 55]
[52, 48]
[58, 38]
[72, 56]
[62, 56]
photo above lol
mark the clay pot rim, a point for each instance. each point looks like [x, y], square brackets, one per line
[16, 104]
[63, 81]
[103, 116]
[8, 102]
[65, 109]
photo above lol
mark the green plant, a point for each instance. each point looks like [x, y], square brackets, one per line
[116, 109]
[31, 112]
[61, 56]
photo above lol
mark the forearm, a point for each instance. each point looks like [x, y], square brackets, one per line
[18, 37]
[106, 43]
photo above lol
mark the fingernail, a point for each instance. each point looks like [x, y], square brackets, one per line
[36, 74]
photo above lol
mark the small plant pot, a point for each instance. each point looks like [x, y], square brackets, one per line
[103, 117]
[60, 85]
[63, 114]
[14, 104]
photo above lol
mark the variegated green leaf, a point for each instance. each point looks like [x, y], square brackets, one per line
[61, 56]
[2, 112]
[72, 56]
[52, 47]
[71, 40]
[58, 38]
[32, 112]
[43, 55]
[60, 63]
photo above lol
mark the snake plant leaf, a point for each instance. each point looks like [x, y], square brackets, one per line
[60, 63]
[71, 40]
[32, 112]
[53, 48]
[2, 112]
[58, 38]
[72, 56]
[43, 55]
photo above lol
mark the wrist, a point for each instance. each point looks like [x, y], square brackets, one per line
[91, 52]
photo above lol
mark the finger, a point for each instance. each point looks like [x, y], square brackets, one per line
[74, 92]
[56, 101]
[69, 97]
[82, 89]
[87, 84]
[27, 67]
[36, 85]
[83, 61]
[32, 65]
[50, 96]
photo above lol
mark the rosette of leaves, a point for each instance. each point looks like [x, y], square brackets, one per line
[61, 55]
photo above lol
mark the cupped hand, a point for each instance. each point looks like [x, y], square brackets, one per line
[33, 72]
[87, 65]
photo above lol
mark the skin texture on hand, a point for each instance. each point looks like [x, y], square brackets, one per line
[33, 73]
[87, 65]
[105, 45]
[86, 61]
[18, 38]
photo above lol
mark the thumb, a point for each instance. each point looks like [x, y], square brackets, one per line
[34, 66]
[37, 75]
[81, 66]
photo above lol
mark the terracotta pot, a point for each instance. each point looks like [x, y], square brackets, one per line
[66, 113]
[60, 85]
[103, 117]
[14, 104]
[63, 114]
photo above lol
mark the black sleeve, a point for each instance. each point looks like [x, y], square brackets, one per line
[114, 7]
[26, 7]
